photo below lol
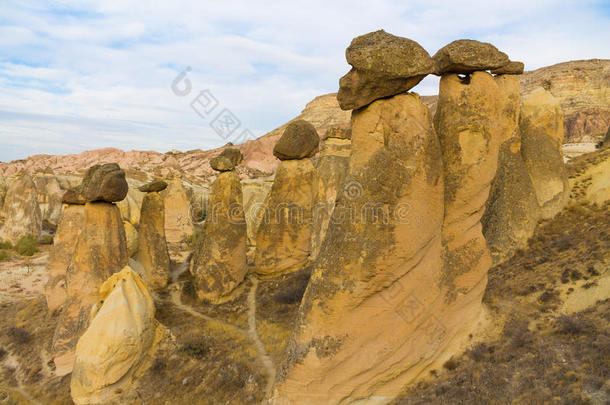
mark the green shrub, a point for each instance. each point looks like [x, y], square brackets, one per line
[6, 245]
[19, 335]
[4, 255]
[46, 240]
[27, 246]
[194, 239]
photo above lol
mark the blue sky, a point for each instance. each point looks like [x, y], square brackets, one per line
[78, 75]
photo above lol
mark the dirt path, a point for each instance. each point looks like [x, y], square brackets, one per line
[260, 347]
[175, 295]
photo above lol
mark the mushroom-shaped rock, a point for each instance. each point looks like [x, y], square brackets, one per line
[227, 160]
[120, 335]
[383, 65]
[300, 140]
[467, 56]
[512, 68]
[105, 183]
[153, 186]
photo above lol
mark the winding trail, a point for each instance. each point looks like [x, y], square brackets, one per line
[177, 301]
[260, 347]
[251, 333]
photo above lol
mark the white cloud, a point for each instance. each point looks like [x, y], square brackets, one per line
[82, 74]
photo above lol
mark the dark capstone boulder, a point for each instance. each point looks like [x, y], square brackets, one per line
[300, 140]
[467, 56]
[105, 183]
[155, 185]
[512, 68]
[383, 65]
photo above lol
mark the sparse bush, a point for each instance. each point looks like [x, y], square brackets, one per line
[4, 255]
[27, 246]
[451, 364]
[159, 365]
[6, 245]
[196, 346]
[194, 239]
[574, 324]
[46, 240]
[479, 351]
[2, 353]
[19, 335]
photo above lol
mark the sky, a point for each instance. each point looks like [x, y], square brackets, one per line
[78, 75]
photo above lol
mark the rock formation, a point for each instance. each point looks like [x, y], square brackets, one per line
[467, 56]
[64, 243]
[471, 121]
[131, 237]
[104, 183]
[582, 89]
[178, 223]
[370, 289]
[115, 345]
[101, 250]
[331, 168]
[152, 247]
[382, 65]
[2, 192]
[49, 198]
[541, 127]
[219, 261]
[283, 240]
[21, 211]
[512, 210]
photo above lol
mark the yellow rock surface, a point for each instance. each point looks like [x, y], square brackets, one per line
[120, 334]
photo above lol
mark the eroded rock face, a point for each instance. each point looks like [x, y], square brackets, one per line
[178, 223]
[332, 169]
[115, 344]
[300, 140]
[283, 239]
[219, 262]
[511, 211]
[64, 243]
[582, 89]
[101, 250]
[152, 247]
[383, 65]
[131, 235]
[21, 211]
[467, 56]
[49, 198]
[376, 279]
[3, 188]
[541, 127]
[471, 121]
[105, 183]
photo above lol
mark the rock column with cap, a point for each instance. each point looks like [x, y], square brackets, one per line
[64, 243]
[101, 250]
[283, 239]
[152, 251]
[219, 262]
